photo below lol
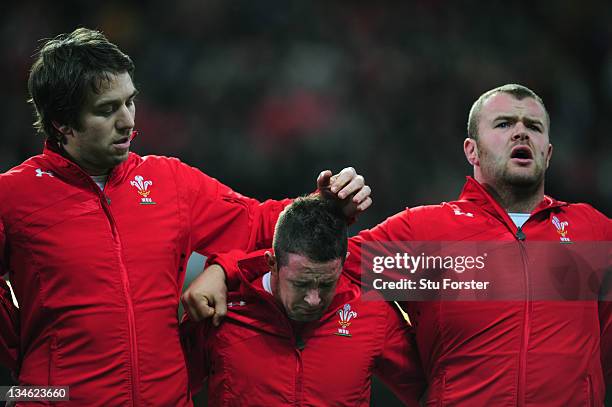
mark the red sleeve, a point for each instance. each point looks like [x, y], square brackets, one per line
[399, 365]
[253, 265]
[222, 219]
[395, 228]
[9, 317]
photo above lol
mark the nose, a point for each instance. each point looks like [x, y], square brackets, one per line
[312, 298]
[125, 119]
[520, 132]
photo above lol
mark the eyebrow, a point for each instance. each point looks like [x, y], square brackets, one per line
[529, 120]
[320, 280]
[111, 101]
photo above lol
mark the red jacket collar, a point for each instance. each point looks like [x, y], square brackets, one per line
[476, 193]
[65, 167]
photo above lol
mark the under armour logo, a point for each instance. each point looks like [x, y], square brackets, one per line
[39, 173]
[458, 212]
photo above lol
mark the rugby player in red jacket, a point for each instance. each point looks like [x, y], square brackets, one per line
[301, 335]
[95, 239]
[528, 352]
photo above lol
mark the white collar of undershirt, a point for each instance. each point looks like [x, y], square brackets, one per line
[518, 218]
[100, 180]
[266, 282]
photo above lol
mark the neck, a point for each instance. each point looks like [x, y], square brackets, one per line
[95, 173]
[90, 170]
[516, 198]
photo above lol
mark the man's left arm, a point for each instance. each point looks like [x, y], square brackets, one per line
[399, 364]
[222, 220]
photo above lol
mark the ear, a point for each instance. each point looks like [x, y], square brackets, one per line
[470, 148]
[63, 129]
[549, 154]
[271, 260]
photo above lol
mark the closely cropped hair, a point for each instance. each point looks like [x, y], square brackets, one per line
[311, 227]
[65, 69]
[519, 92]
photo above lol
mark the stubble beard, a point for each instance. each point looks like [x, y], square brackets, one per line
[511, 180]
[522, 179]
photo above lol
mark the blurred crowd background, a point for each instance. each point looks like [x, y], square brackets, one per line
[264, 94]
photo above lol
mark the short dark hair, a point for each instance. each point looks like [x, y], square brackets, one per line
[313, 227]
[65, 68]
[519, 92]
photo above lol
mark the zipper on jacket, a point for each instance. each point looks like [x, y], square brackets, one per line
[128, 299]
[125, 282]
[299, 373]
[135, 377]
[522, 372]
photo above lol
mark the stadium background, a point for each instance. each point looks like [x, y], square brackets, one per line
[264, 94]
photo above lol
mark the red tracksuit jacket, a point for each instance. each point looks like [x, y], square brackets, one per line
[98, 274]
[258, 357]
[513, 353]
[510, 353]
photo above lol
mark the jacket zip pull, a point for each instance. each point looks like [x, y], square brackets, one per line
[520, 235]
[299, 342]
